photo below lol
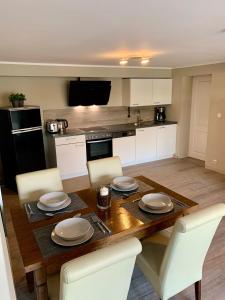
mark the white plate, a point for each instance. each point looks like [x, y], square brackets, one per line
[167, 209]
[72, 228]
[46, 208]
[53, 199]
[124, 182]
[56, 239]
[156, 200]
[126, 190]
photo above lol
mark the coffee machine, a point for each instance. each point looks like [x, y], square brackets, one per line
[160, 114]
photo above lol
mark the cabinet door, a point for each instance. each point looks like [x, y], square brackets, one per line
[137, 92]
[146, 144]
[71, 159]
[125, 148]
[140, 92]
[166, 141]
[162, 91]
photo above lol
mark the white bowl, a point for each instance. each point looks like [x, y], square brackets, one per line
[156, 200]
[124, 182]
[72, 228]
[53, 199]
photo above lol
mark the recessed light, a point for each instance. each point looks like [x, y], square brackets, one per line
[144, 60]
[123, 61]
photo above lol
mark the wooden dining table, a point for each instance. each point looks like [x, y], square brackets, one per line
[121, 221]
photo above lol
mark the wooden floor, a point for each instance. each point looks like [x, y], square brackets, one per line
[185, 176]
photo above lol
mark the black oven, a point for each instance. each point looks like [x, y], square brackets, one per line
[99, 148]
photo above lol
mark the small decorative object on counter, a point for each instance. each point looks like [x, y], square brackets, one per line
[17, 99]
[103, 197]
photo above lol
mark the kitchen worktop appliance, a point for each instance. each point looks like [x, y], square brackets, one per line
[160, 114]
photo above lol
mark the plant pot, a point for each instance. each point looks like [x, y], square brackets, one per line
[15, 103]
[21, 103]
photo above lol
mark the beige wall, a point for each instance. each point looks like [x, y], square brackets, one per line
[46, 86]
[182, 92]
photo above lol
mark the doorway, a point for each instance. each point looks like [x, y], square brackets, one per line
[199, 117]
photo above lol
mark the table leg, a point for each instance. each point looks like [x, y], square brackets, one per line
[30, 281]
[40, 280]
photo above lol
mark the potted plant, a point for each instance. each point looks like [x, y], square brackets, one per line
[17, 99]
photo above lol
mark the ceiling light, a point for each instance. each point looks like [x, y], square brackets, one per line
[123, 61]
[144, 60]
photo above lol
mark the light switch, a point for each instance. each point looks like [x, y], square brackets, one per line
[219, 115]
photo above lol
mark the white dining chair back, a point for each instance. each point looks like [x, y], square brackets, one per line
[102, 171]
[180, 264]
[32, 185]
[99, 275]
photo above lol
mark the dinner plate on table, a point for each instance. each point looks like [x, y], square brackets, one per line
[53, 199]
[46, 208]
[156, 200]
[124, 183]
[72, 228]
[163, 210]
[125, 190]
[56, 239]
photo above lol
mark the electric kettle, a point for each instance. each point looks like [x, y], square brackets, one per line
[62, 125]
[52, 126]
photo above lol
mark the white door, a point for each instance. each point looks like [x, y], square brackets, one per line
[146, 144]
[125, 148]
[199, 117]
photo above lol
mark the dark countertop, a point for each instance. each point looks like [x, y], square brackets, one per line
[112, 128]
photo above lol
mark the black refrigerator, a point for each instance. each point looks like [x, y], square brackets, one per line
[21, 142]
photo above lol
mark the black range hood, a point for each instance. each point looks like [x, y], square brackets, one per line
[89, 92]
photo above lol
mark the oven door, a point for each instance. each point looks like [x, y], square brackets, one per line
[99, 149]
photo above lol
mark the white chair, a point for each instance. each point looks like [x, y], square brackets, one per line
[99, 275]
[172, 268]
[102, 171]
[32, 185]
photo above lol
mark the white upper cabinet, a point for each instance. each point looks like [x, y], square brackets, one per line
[137, 92]
[162, 91]
[143, 92]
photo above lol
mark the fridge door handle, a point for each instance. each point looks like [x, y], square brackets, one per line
[31, 129]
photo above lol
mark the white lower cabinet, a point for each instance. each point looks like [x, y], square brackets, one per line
[71, 157]
[166, 141]
[145, 144]
[124, 147]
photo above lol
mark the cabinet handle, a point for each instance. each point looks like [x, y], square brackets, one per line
[161, 127]
[140, 130]
[156, 102]
[135, 104]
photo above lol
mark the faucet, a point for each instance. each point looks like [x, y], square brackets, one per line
[138, 116]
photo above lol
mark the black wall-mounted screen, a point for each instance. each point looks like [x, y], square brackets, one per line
[89, 92]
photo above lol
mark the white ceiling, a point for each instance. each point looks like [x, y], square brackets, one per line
[174, 33]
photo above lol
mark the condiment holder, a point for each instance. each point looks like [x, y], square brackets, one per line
[103, 197]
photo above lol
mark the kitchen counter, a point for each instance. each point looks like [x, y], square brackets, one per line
[112, 128]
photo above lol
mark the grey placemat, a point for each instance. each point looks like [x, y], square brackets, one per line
[49, 248]
[143, 187]
[145, 217]
[76, 204]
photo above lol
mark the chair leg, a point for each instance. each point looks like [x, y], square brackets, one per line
[198, 290]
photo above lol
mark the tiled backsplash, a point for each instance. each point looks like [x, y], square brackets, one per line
[97, 115]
